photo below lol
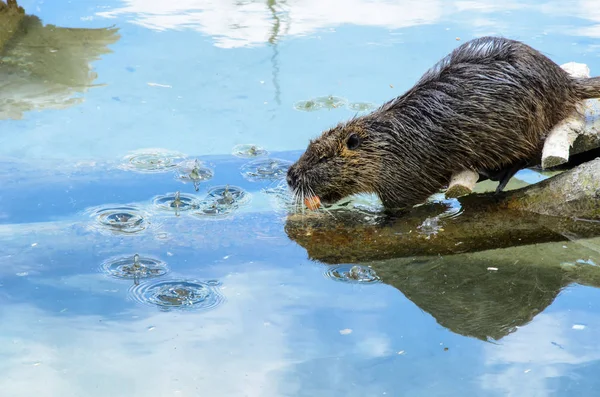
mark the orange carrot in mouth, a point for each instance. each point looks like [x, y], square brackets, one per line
[313, 202]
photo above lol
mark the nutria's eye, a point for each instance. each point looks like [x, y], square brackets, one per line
[322, 160]
[353, 142]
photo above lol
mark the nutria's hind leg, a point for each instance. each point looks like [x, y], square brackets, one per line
[504, 175]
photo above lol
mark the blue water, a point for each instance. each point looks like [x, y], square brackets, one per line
[199, 77]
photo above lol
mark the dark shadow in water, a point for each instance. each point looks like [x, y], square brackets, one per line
[487, 295]
[479, 274]
[44, 66]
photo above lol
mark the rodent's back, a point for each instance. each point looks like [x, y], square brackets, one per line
[486, 105]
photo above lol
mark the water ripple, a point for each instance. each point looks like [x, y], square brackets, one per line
[195, 172]
[176, 202]
[134, 267]
[356, 274]
[307, 106]
[248, 151]
[265, 169]
[118, 219]
[362, 106]
[324, 102]
[178, 294]
[222, 200]
[152, 160]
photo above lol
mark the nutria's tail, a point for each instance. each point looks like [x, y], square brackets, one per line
[588, 88]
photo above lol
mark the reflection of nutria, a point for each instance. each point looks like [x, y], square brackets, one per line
[487, 107]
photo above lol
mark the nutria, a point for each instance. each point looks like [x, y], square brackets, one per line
[486, 107]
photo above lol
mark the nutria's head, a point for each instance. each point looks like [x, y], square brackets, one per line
[344, 160]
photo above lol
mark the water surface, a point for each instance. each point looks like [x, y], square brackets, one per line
[240, 309]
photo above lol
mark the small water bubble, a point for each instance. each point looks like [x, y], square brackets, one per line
[346, 331]
[352, 274]
[23, 274]
[119, 220]
[265, 169]
[177, 294]
[134, 267]
[152, 160]
[248, 151]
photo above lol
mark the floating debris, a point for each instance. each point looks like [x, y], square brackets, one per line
[578, 327]
[151, 160]
[178, 294]
[346, 331]
[248, 151]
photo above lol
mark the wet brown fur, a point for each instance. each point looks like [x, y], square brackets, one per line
[487, 107]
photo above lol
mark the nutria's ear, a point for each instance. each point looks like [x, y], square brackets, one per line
[353, 141]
